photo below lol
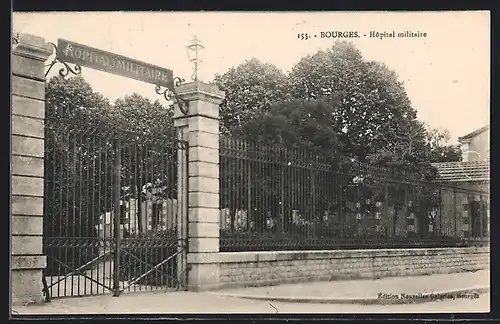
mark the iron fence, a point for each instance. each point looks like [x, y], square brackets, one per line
[276, 198]
[111, 215]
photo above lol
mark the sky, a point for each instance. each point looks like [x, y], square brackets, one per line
[446, 74]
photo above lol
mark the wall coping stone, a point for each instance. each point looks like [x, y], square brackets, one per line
[269, 256]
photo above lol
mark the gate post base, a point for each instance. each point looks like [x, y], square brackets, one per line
[203, 277]
[27, 287]
[204, 273]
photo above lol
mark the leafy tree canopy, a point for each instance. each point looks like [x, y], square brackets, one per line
[251, 88]
[333, 100]
[74, 99]
[441, 151]
[137, 113]
[297, 123]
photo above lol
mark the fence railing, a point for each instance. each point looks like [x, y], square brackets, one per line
[276, 198]
[110, 208]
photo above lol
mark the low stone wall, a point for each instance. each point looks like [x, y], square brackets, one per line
[240, 269]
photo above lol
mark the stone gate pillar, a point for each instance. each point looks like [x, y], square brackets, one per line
[27, 129]
[200, 127]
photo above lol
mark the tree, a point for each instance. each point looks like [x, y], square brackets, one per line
[289, 129]
[296, 123]
[72, 112]
[135, 113]
[250, 88]
[339, 104]
[441, 151]
[407, 158]
[336, 104]
[74, 100]
[373, 101]
[74, 168]
[149, 148]
[376, 121]
[82, 134]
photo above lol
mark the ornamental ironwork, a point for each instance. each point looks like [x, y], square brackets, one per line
[66, 68]
[78, 55]
[167, 93]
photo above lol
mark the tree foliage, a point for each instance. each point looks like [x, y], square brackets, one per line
[136, 113]
[364, 108]
[298, 123]
[373, 101]
[84, 132]
[441, 151]
[335, 103]
[72, 110]
[250, 89]
[74, 167]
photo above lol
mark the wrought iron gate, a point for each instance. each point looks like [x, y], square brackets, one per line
[114, 219]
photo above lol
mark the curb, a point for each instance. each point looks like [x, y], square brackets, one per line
[392, 299]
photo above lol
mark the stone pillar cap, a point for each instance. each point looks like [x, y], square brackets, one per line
[200, 87]
[32, 46]
[202, 99]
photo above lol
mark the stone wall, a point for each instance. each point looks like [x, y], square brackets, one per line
[242, 269]
[28, 112]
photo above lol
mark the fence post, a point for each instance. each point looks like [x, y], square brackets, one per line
[487, 219]
[117, 219]
[200, 127]
[455, 218]
[386, 211]
[479, 232]
[440, 225]
[28, 113]
[465, 216]
[281, 217]
[182, 198]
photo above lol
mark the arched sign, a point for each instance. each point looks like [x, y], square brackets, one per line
[97, 59]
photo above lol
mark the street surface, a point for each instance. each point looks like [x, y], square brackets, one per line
[366, 288]
[191, 302]
[182, 302]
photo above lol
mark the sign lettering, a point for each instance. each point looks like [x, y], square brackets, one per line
[97, 59]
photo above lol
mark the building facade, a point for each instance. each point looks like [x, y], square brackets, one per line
[472, 174]
[476, 145]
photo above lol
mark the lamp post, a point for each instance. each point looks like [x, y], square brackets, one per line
[193, 50]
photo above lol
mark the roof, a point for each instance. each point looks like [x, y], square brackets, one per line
[463, 171]
[474, 133]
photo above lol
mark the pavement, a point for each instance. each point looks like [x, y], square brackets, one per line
[337, 297]
[390, 290]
